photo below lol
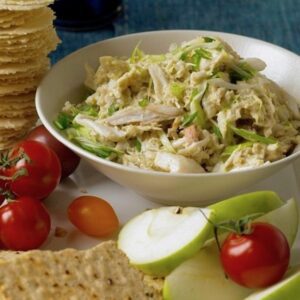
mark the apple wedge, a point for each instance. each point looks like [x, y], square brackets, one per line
[287, 289]
[158, 240]
[286, 218]
[202, 276]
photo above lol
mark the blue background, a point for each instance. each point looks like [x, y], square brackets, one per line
[275, 21]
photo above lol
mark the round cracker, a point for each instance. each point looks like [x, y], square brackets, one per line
[39, 21]
[21, 88]
[24, 5]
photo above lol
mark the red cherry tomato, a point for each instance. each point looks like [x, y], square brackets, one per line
[36, 171]
[258, 259]
[68, 159]
[24, 224]
[93, 216]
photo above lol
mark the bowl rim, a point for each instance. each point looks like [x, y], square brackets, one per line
[85, 154]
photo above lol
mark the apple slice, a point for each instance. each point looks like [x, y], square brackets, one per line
[158, 240]
[286, 218]
[202, 276]
[287, 289]
[239, 206]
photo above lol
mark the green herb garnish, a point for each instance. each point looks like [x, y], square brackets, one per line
[252, 136]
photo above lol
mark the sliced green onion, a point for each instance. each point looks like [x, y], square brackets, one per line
[63, 121]
[217, 132]
[95, 147]
[136, 54]
[241, 71]
[252, 136]
[204, 53]
[208, 39]
[189, 119]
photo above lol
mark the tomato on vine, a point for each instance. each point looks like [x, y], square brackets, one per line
[32, 168]
[257, 258]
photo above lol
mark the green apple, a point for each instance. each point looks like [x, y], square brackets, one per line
[158, 240]
[286, 218]
[239, 206]
[287, 289]
[202, 276]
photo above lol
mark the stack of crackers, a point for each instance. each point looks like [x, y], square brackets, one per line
[27, 36]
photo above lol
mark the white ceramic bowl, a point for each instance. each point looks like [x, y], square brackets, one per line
[65, 82]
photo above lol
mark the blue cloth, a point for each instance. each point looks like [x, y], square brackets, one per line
[275, 21]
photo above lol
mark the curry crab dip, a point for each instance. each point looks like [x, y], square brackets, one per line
[198, 108]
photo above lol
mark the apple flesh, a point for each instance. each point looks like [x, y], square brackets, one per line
[287, 289]
[158, 240]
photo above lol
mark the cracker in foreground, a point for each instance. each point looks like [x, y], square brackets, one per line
[102, 272]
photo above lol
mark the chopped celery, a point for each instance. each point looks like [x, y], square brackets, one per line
[144, 102]
[166, 142]
[112, 109]
[177, 90]
[154, 58]
[204, 53]
[196, 58]
[138, 145]
[230, 149]
[136, 54]
[189, 119]
[95, 147]
[87, 109]
[63, 121]
[252, 136]
[196, 107]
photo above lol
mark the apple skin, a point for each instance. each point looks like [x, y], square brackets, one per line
[287, 289]
[239, 206]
